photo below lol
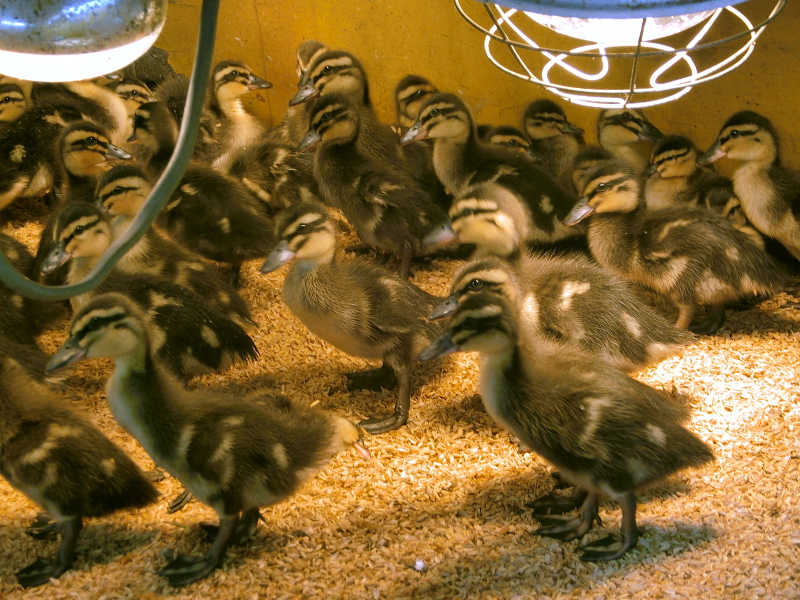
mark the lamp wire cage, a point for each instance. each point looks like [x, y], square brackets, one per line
[601, 72]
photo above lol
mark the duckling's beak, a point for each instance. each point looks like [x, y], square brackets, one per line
[442, 346]
[443, 234]
[568, 127]
[650, 132]
[417, 132]
[116, 153]
[444, 309]
[257, 83]
[711, 155]
[578, 213]
[113, 76]
[280, 255]
[57, 257]
[312, 139]
[69, 353]
[306, 92]
[651, 170]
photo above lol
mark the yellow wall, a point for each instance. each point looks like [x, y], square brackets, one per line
[429, 37]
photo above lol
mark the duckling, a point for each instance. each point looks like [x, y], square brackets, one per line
[122, 192]
[553, 137]
[409, 94]
[571, 301]
[512, 138]
[59, 460]
[585, 161]
[619, 128]
[133, 93]
[192, 337]
[462, 162]
[768, 191]
[606, 432]
[233, 454]
[307, 52]
[12, 103]
[210, 213]
[385, 206]
[238, 128]
[151, 68]
[693, 256]
[356, 306]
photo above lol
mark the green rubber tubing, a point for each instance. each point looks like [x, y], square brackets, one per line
[163, 189]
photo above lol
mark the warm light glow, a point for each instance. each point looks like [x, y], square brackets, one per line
[620, 32]
[72, 67]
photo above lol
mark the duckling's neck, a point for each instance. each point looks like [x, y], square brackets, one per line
[454, 160]
[141, 399]
[79, 269]
[559, 151]
[610, 240]
[627, 153]
[493, 384]
[664, 193]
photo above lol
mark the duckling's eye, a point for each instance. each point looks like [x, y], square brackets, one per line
[434, 112]
[469, 322]
[235, 73]
[735, 133]
[327, 70]
[5, 100]
[117, 190]
[94, 321]
[134, 92]
[79, 230]
[326, 116]
[302, 227]
[513, 143]
[475, 285]
[418, 94]
[91, 141]
[601, 187]
[627, 115]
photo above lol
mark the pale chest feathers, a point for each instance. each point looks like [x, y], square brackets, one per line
[759, 198]
[493, 387]
[448, 167]
[561, 154]
[125, 407]
[665, 193]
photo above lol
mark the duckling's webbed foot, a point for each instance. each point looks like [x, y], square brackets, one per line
[244, 532]
[571, 529]
[715, 319]
[554, 504]
[374, 379]
[182, 500]
[384, 423]
[42, 570]
[612, 546]
[43, 528]
[188, 569]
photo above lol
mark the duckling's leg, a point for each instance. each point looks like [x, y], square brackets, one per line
[187, 569]
[575, 528]
[375, 380]
[685, 313]
[384, 423]
[713, 321]
[629, 535]
[43, 527]
[405, 260]
[554, 504]
[236, 274]
[45, 569]
[245, 530]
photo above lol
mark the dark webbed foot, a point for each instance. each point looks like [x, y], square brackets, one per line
[244, 532]
[614, 546]
[383, 423]
[43, 528]
[188, 569]
[571, 529]
[715, 319]
[155, 475]
[374, 380]
[555, 504]
[41, 571]
[182, 500]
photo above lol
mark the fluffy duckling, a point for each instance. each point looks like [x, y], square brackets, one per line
[606, 432]
[122, 192]
[234, 455]
[385, 206]
[12, 103]
[619, 128]
[511, 138]
[238, 128]
[768, 191]
[553, 137]
[586, 160]
[211, 214]
[151, 68]
[307, 52]
[133, 93]
[356, 306]
[690, 255]
[409, 94]
[192, 338]
[63, 463]
[461, 162]
[571, 301]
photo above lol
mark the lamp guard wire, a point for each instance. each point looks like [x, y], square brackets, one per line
[163, 188]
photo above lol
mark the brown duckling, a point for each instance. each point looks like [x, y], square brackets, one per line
[192, 337]
[59, 460]
[233, 454]
[12, 103]
[356, 306]
[409, 94]
[586, 160]
[571, 301]
[619, 128]
[690, 255]
[211, 214]
[133, 93]
[606, 432]
[768, 191]
[553, 137]
[307, 52]
[511, 138]
[387, 208]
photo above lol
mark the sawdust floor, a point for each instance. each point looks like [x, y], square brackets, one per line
[447, 493]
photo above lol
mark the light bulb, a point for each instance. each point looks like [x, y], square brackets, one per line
[68, 40]
[620, 32]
